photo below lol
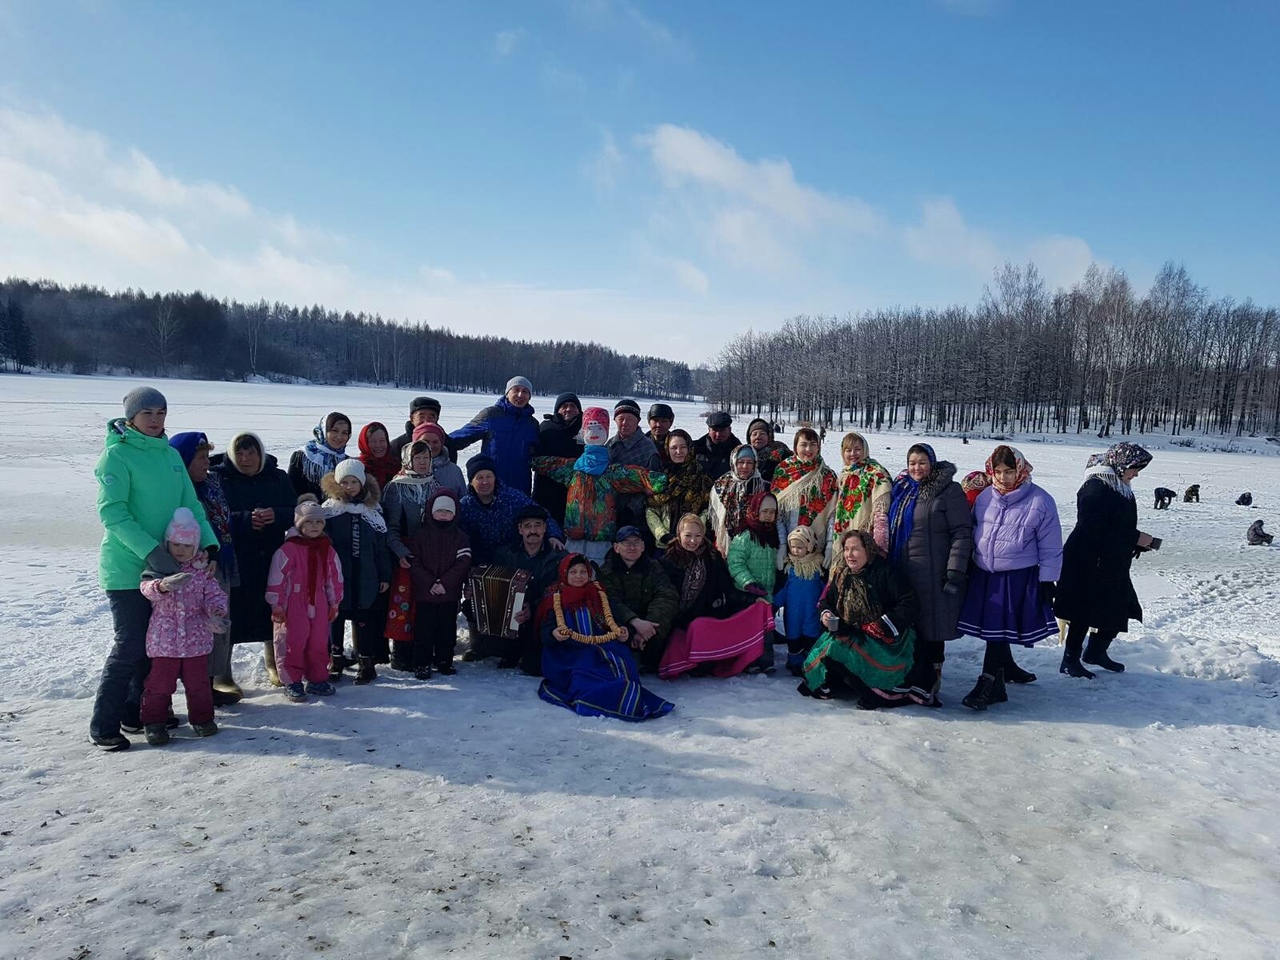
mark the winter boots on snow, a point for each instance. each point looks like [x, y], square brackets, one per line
[988, 690]
[1095, 653]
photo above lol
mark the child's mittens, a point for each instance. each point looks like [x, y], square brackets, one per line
[174, 580]
[277, 614]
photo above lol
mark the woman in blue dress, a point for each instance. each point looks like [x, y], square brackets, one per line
[586, 663]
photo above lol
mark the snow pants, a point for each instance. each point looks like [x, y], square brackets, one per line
[120, 689]
[435, 633]
[302, 650]
[162, 681]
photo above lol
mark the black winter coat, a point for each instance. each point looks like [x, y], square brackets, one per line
[714, 457]
[719, 598]
[269, 487]
[557, 437]
[361, 548]
[643, 590]
[941, 540]
[1095, 587]
[543, 568]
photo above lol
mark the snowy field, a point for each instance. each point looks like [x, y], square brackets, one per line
[1135, 816]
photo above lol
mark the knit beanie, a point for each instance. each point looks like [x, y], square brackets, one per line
[308, 508]
[518, 382]
[661, 411]
[481, 461]
[596, 415]
[189, 444]
[351, 467]
[183, 528]
[424, 430]
[744, 452]
[424, 403]
[567, 398]
[627, 406]
[445, 504]
[142, 398]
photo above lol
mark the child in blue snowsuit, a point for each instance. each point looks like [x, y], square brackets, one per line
[805, 580]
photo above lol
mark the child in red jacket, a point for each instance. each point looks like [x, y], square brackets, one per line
[304, 589]
[439, 564]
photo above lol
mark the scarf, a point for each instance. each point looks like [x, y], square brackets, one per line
[765, 534]
[977, 481]
[318, 458]
[688, 490]
[857, 486]
[854, 605]
[694, 566]
[218, 513]
[593, 461]
[382, 468]
[734, 493]
[1020, 463]
[316, 554]
[810, 565]
[798, 482]
[1108, 466]
[370, 515]
[902, 508]
[578, 604]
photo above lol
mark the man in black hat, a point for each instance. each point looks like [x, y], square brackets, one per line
[532, 551]
[558, 436]
[630, 447]
[421, 410]
[661, 417]
[714, 448]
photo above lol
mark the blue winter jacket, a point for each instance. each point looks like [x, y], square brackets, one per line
[800, 596]
[510, 434]
[493, 525]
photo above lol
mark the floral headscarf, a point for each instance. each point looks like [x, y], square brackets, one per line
[1004, 451]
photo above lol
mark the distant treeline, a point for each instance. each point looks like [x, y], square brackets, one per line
[89, 330]
[1093, 358]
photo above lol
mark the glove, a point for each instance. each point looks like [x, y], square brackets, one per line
[955, 584]
[159, 561]
[211, 553]
[1048, 591]
[219, 624]
[174, 580]
[754, 589]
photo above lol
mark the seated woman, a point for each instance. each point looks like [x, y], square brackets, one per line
[868, 612]
[718, 629]
[586, 663]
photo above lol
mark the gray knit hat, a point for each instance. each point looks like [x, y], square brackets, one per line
[140, 398]
[518, 382]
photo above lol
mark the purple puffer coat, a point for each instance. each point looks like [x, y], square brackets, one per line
[1016, 530]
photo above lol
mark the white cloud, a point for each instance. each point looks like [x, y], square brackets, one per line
[602, 167]
[626, 18]
[505, 43]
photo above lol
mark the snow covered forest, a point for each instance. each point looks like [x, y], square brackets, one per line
[86, 330]
[1095, 358]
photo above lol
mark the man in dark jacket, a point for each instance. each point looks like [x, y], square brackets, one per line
[661, 417]
[558, 437]
[640, 593]
[532, 552]
[631, 448]
[712, 450]
[421, 410]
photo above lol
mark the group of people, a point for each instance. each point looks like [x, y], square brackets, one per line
[641, 552]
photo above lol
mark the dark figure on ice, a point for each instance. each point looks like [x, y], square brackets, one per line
[1245, 499]
[1192, 495]
[1256, 536]
[1164, 497]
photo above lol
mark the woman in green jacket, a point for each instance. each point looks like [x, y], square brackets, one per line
[141, 481]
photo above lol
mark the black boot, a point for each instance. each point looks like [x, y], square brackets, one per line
[365, 673]
[998, 694]
[402, 656]
[1015, 674]
[980, 695]
[1096, 654]
[1072, 667]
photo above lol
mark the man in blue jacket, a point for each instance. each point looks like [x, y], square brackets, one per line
[509, 432]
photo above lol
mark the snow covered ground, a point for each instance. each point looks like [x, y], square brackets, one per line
[1131, 817]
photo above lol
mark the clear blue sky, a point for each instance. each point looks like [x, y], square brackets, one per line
[653, 175]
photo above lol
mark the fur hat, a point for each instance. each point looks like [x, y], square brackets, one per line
[183, 528]
[627, 406]
[142, 398]
[351, 467]
[518, 382]
[481, 461]
[308, 508]
[424, 403]
[719, 420]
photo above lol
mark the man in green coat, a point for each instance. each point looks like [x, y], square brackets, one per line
[641, 595]
[141, 481]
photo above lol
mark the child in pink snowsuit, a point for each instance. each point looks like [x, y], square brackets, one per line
[304, 589]
[187, 608]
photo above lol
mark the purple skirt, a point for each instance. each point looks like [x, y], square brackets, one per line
[1006, 607]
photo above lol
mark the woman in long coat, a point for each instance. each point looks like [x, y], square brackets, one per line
[261, 499]
[1095, 590]
[931, 540]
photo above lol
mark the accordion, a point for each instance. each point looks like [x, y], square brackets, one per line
[497, 595]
